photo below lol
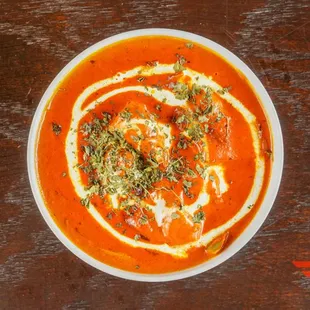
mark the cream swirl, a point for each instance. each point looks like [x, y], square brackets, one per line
[160, 209]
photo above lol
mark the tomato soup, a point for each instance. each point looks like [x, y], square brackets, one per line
[154, 154]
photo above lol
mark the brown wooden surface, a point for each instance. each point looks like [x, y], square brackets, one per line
[38, 37]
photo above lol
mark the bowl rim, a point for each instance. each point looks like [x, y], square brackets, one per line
[275, 174]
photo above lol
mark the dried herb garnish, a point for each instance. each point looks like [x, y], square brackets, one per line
[152, 63]
[182, 144]
[175, 216]
[198, 156]
[208, 95]
[137, 237]
[198, 217]
[143, 219]
[196, 89]
[85, 202]
[186, 187]
[175, 169]
[220, 115]
[189, 45]
[178, 66]
[110, 215]
[181, 119]
[181, 91]
[224, 90]
[114, 165]
[195, 131]
[201, 171]
[126, 115]
[56, 129]
[191, 173]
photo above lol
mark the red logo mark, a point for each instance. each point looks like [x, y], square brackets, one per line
[302, 265]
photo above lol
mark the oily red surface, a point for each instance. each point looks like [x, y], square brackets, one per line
[38, 38]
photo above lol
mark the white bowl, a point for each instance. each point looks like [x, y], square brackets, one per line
[251, 229]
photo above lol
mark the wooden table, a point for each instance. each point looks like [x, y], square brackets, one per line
[38, 37]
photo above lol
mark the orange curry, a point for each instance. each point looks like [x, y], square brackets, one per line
[161, 156]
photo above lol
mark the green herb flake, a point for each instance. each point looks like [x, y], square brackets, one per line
[198, 156]
[181, 91]
[208, 110]
[211, 178]
[189, 45]
[196, 89]
[182, 144]
[135, 138]
[224, 90]
[137, 237]
[85, 202]
[181, 59]
[110, 215]
[87, 149]
[175, 216]
[152, 63]
[219, 116]
[177, 67]
[126, 115]
[201, 171]
[154, 116]
[181, 119]
[191, 173]
[198, 217]
[186, 186]
[106, 118]
[195, 132]
[113, 165]
[143, 219]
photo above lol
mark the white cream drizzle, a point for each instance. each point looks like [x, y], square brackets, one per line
[161, 210]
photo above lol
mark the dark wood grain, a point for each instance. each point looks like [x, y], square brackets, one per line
[38, 37]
